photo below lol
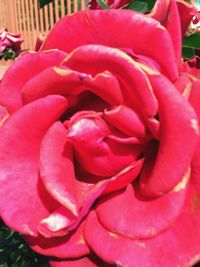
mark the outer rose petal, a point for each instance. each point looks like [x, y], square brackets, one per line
[117, 3]
[184, 85]
[194, 100]
[163, 10]
[166, 12]
[93, 4]
[21, 71]
[128, 23]
[20, 138]
[90, 261]
[179, 246]
[83, 262]
[72, 245]
[187, 12]
[179, 133]
[192, 67]
[3, 114]
[142, 218]
[194, 97]
[39, 41]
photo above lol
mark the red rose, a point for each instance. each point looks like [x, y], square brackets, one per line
[8, 39]
[93, 4]
[99, 162]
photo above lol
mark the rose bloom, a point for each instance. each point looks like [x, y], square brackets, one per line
[93, 4]
[99, 155]
[12, 40]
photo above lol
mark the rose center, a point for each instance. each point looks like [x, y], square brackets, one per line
[97, 148]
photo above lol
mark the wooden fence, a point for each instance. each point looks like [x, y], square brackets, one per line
[25, 17]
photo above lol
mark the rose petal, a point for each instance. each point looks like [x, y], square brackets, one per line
[163, 10]
[179, 246]
[56, 223]
[20, 138]
[184, 85]
[136, 88]
[160, 10]
[89, 194]
[126, 120]
[167, 13]
[3, 114]
[194, 97]
[90, 261]
[178, 133]
[62, 81]
[72, 245]
[142, 218]
[187, 12]
[173, 26]
[56, 167]
[23, 69]
[194, 100]
[91, 30]
[117, 3]
[83, 262]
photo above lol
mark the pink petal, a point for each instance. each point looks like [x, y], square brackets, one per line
[187, 12]
[194, 97]
[82, 262]
[56, 223]
[20, 138]
[39, 41]
[3, 114]
[117, 3]
[184, 85]
[126, 120]
[90, 261]
[191, 67]
[21, 71]
[179, 246]
[179, 133]
[57, 167]
[167, 13]
[64, 81]
[129, 72]
[91, 30]
[142, 218]
[160, 10]
[88, 194]
[72, 245]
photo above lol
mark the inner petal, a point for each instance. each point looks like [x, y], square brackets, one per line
[94, 150]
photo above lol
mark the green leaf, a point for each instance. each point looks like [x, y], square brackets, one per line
[150, 4]
[44, 2]
[15, 253]
[188, 52]
[192, 41]
[137, 6]
[102, 4]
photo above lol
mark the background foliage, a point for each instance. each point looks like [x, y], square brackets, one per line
[44, 2]
[15, 253]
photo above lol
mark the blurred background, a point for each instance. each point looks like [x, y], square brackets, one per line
[30, 18]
